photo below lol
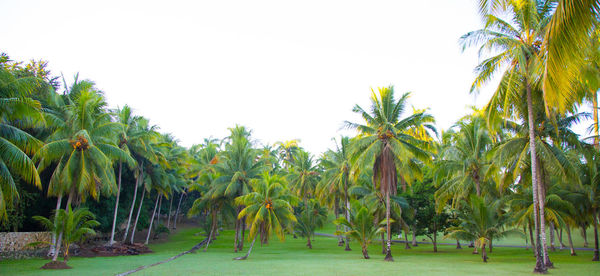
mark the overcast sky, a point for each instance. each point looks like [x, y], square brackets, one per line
[285, 69]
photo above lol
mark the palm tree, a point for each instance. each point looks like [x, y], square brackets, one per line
[237, 166]
[516, 49]
[303, 175]
[134, 140]
[479, 221]
[74, 225]
[17, 111]
[384, 142]
[361, 226]
[268, 208]
[463, 163]
[311, 217]
[83, 145]
[335, 180]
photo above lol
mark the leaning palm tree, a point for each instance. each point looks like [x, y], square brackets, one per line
[361, 226]
[268, 209]
[384, 144]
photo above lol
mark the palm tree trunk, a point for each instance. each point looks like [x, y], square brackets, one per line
[435, 241]
[152, 219]
[177, 212]
[552, 237]
[170, 212]
[570, 241]
[138, 180]
[158, 211]
[112, 232]
[60, 235]
[388, 254]
[243, 226]
[53, 245]
[477, 184]
[365, 252]
[406, 245]
[491, 247]
[539, 264]
[483, 253]
[532, 240]
[414, 235]
[595, 111]
[383, 248]
[336, 211]
[594, 221]
[458, 244]
[542, 204]
[249, 250]
[237, 232]
[137, 217]
[560, 238]
[584, 235]
[308, 244]
[347, 212]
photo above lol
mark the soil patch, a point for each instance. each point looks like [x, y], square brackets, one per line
[116, 249]
[56, 265]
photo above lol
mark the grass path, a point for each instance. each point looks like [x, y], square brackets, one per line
[293, 258]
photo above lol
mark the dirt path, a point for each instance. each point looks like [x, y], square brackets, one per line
[445, 243]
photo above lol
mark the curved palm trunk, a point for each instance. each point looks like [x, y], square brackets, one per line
[177, 212]
[406, 245]
[243, 235]
[52, 250]
[347, 212]
[112, 232]
[137, 183]
[570, 241]
[152, 220]
[137, 217]
[249, 250]
[539, 264]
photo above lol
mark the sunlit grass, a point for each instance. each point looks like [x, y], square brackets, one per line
[293, 258]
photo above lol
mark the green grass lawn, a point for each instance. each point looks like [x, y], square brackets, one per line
[293, 258]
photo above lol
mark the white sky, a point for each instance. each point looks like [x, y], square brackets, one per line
[285, 69]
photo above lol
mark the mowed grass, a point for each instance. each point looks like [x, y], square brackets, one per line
[326, 258]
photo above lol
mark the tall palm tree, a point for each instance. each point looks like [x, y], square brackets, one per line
[84, 147]
[303, 175]
[268, 208]
[383, 141]
[513, 34]
[237, 166]
[134, 140]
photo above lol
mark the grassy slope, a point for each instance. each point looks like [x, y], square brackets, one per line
[293, 258]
